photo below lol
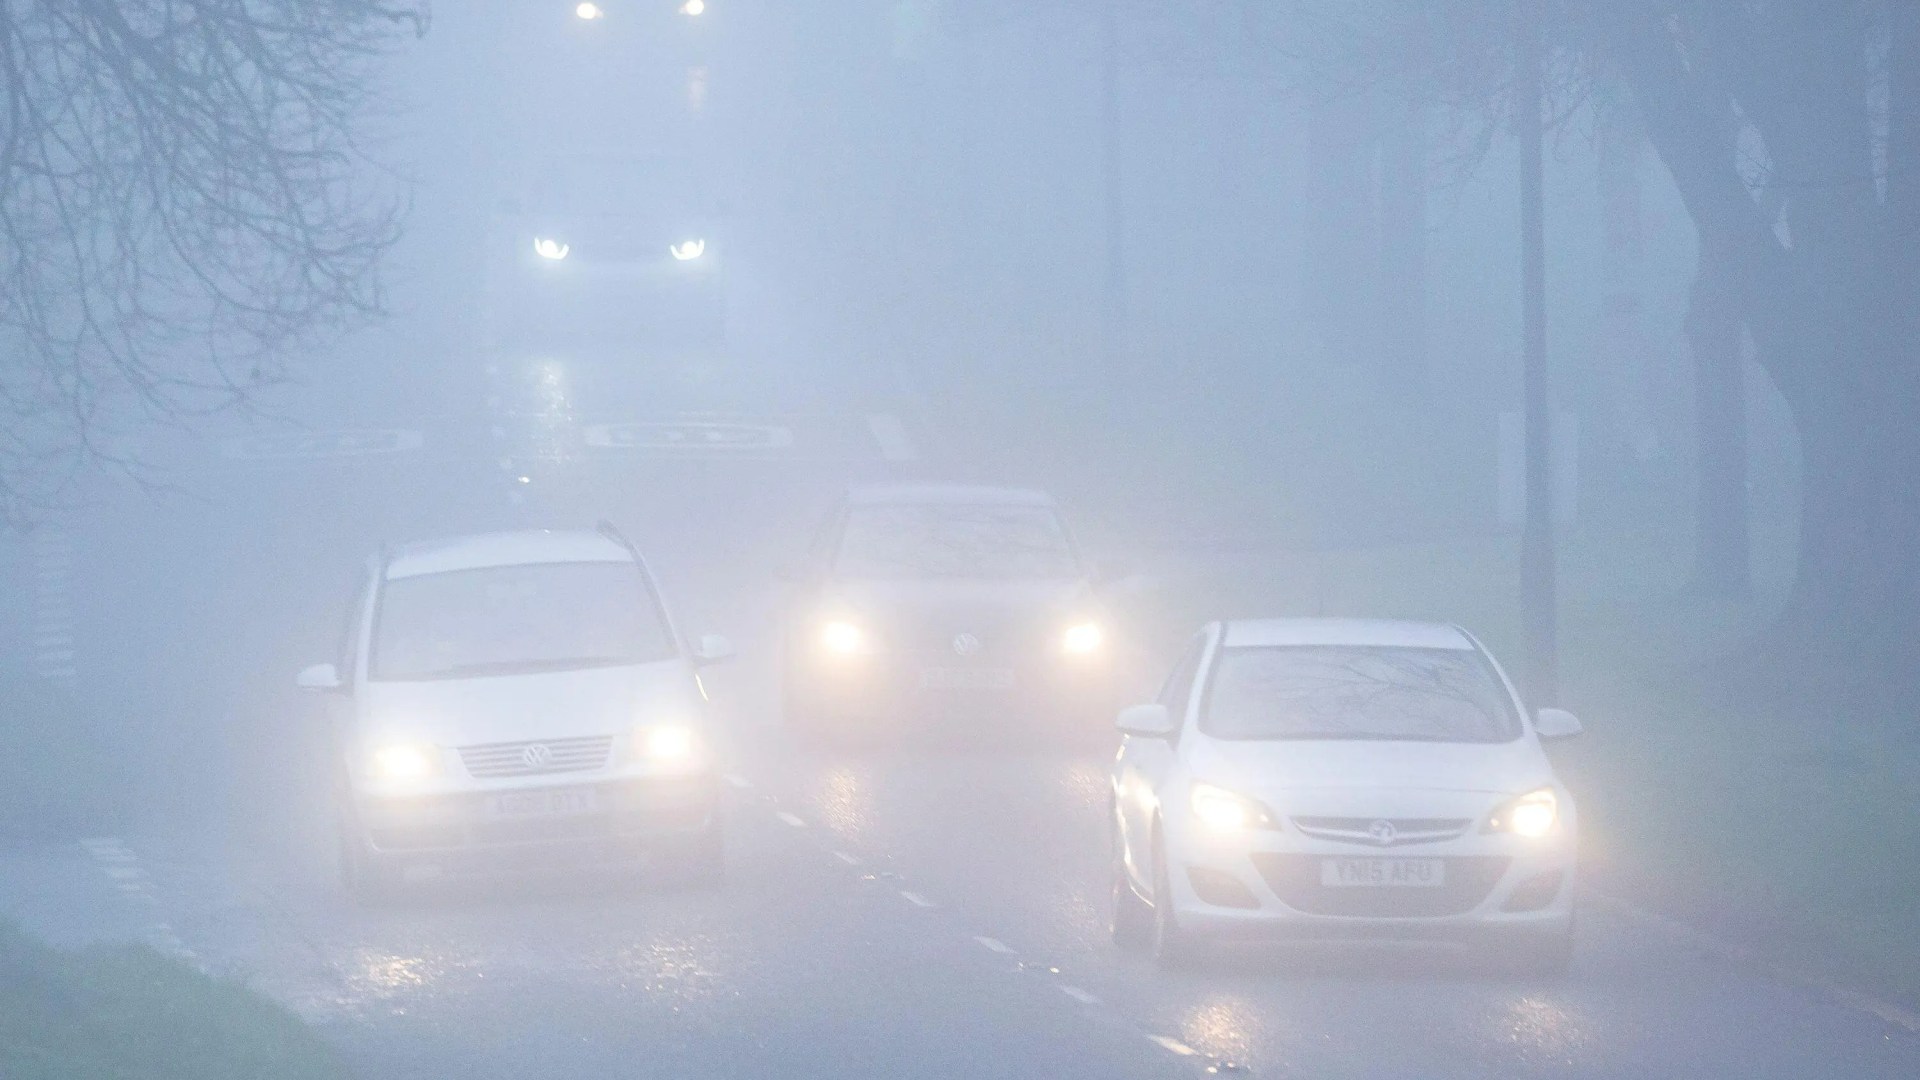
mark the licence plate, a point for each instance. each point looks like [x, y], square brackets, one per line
[1383, 873]
[543, 803]
[966, 678]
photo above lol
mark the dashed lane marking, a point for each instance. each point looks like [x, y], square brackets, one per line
[739, 781]
[847, 857]
[915, 898]
[995, 945]
[1080, 995]
[891, 435]
[121, 866]
[690, 436]
[1173, 1045]
[321, 444]
[791, 819]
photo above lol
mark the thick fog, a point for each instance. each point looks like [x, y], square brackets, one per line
[936, 538]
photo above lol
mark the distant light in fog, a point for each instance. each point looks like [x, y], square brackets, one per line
[548, 248]
[689, 250]
[592, 11]
[694, 7]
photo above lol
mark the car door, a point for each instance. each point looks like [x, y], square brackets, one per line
[1143, 763]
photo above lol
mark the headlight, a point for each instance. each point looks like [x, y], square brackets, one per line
[1534, 814]
[1225, 811]
[1083, 639]
[404, 762]
[842, 638]
[668, 744]
[551, 249]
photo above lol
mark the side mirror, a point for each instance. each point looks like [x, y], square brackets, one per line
[712, 649]
[1556, 724]
[321, 677]
[1145, 721]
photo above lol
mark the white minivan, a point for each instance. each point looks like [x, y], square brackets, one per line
[1329, 778]
[519, 694]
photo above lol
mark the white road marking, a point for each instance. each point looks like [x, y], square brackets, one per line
[124, 873]
[1079, 995]
[739, 781]
[891, 435]
[791, 819]
[916, 899]
[96, 845]
[995, 945]
[847, 857]
[1173, 1045]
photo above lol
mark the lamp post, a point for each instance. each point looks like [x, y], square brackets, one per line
[1537, 573]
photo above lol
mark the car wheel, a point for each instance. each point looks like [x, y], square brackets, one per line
[1132, 926]
[366, 876]
[1172, 947]
[697, 862]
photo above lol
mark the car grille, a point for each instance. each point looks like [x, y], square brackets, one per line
[538, 757]
[1360, 830]
[1295, 879]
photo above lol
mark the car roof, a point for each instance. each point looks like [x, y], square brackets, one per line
[525, 548]
[949, 494]
[1384, 633]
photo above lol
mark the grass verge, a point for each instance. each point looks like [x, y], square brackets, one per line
[127, 1012]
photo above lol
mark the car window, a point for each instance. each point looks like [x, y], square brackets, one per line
[955, 541]
[508, 619]
[1348, 692]
[1178, 689]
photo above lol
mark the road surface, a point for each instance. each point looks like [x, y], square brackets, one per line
[909, 912]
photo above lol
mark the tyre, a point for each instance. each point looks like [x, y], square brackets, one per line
[366, 876]
[699, 861]
[1172, 947]
[1132, 925]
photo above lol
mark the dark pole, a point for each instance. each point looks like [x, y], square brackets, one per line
[1536, 550]
[1114, 295]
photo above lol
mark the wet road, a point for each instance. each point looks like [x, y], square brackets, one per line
[913, 912]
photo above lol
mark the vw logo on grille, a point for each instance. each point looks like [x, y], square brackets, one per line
[536, 756]
[1382, 832]
[966, 644]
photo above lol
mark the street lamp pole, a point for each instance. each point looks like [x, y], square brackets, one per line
[1537, 573]
[1114, 293]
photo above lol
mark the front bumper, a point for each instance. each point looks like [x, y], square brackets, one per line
[627, 814]
[1268, 885]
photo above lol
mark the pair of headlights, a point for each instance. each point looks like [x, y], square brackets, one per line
[1533, 815]
[843, 638]
[665, 745]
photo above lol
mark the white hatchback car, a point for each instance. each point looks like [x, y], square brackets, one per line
[1326, 778]
[518, 692]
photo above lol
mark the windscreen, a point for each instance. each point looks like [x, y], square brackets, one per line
[955, 541]
[509, 619]
[1346, 692]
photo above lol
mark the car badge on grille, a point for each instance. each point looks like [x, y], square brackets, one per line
[1382, 832]
[966, 644]
[536, 756]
